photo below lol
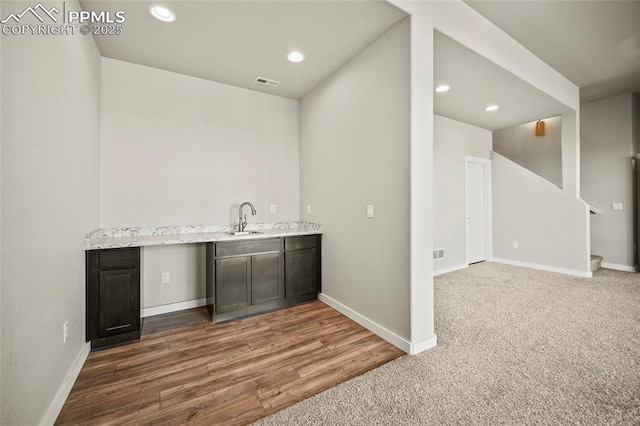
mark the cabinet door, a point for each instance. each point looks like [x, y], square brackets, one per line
[301, 277]
[118, 302]
[267, 280]
[233, 283]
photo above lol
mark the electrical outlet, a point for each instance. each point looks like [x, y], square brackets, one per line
[514, 244]
[166, 278]
[273, 208]
[308, 208]
[65, 332]
[616, 206]
[369, 211]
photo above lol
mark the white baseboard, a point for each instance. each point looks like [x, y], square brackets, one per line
[451, 269]
[370, 325]
[374, 327]
[63, 392]
[623, 268]
[173, 307]
[574, 272]
[422, 346]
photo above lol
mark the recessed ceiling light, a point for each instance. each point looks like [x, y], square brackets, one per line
[491, 108]
[162, 13]
[295, 57]
[442, 88]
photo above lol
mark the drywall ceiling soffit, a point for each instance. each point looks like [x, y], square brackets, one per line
[595, 44]
[233, 42]
[477, 83]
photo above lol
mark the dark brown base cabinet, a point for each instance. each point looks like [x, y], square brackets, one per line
[254, 276]
[302, 260]
[113, 296]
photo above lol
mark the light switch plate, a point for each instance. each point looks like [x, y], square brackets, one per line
[616, 206]
[369, 211]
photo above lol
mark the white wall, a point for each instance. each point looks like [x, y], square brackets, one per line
[186, 266]
[354, 151]
[452, 141]
[636, 122]
[540, 154]
[1, 330]
[636, 150]
[50, 199]
[548, 226]
[181, 150]
[607, 176]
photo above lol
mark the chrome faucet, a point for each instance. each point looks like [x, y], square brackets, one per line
[242, 223]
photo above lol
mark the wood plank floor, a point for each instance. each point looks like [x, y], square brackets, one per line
[232, 373]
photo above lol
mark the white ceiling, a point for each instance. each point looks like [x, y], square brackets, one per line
[234, 42]
[595, 44]
[477, 83]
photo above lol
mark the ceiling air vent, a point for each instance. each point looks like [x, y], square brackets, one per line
[266, 81]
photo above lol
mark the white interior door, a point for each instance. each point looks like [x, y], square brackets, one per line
[476, 208]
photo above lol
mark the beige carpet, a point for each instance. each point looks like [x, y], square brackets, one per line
[515, 346]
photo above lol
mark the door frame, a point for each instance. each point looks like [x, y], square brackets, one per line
[488, 225]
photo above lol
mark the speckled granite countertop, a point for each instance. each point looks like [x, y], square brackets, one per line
[162, 235]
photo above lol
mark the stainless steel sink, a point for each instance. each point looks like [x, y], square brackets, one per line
[242, 232]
